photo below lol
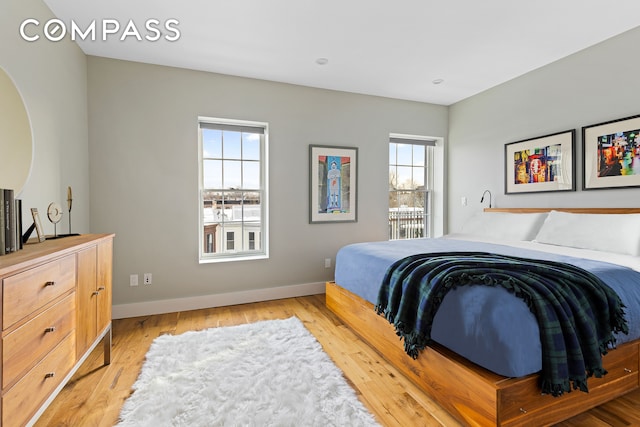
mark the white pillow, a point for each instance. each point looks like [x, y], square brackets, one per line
[618, 233]
[505, 225]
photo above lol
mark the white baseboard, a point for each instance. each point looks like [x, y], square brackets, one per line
[147, 308]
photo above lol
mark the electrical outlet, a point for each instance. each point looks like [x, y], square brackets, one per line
[327, 263]
[133, 280]
[147, 278]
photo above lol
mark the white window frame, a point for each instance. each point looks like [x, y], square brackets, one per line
[432, 153]
[224, 256]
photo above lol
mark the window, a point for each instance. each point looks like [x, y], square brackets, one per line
[410, 185]
[231, 240]
[233, 190]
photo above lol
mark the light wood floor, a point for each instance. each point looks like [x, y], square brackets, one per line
[96, 393]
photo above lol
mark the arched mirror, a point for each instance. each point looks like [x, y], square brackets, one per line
[16, 142]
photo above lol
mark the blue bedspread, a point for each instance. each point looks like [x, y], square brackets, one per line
[487, 325]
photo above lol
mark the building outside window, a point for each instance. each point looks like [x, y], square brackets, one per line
[233, 190]
[410, 185]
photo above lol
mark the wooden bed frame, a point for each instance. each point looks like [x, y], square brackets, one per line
[477, 396]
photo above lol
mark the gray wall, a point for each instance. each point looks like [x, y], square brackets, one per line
[144, 162]
[52, 79]
[592, 86]
[141, 160]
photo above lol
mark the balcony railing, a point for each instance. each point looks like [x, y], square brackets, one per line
[407, 223]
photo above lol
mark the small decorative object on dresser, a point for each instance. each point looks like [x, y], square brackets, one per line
[54, 213]
[56, 308]
[38, 224]
[57, 212]
[69, 204]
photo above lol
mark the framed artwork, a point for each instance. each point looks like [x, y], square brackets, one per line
[611, 154]
[38, 224]
[333, 186]
[541, 164]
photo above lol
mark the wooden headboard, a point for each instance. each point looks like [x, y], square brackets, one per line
[570, 210]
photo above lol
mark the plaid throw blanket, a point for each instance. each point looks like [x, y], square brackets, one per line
[577, 313]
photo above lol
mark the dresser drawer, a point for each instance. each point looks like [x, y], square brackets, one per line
[23, 399]
[24, 347]
[26, 292]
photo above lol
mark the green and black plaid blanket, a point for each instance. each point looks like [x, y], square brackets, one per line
[577, 313]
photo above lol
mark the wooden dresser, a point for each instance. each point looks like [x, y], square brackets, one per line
[56, 308]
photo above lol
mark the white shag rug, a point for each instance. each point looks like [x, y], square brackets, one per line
[270, 373]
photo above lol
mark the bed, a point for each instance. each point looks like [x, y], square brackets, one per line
[469, 375]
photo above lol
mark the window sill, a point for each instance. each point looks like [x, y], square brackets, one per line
[231, 258]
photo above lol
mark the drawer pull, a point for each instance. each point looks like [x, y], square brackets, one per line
[50, 329]
[96, 293]
[50, 283]
[101, 288]
[523, 411]
[50, 375]
[627, 370]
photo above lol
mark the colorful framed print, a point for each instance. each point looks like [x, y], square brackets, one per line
[333, 188]
[611, 154]
[541, 164]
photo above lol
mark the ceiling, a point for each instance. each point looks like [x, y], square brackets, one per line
[376, 47]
